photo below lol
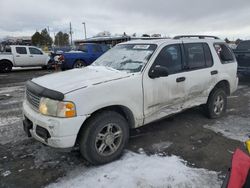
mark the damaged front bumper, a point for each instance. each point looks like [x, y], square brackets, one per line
[52, 131]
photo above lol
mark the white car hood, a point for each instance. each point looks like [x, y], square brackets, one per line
[74, 79]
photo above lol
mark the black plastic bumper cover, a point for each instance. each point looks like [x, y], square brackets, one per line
[27, 125]
[44, 92]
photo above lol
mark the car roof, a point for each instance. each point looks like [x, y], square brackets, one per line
[169, 41]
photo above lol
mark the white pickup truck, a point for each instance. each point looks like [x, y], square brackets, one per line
[131, 85]
[22, 56]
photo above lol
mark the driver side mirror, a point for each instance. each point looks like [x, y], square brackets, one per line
[158, 71]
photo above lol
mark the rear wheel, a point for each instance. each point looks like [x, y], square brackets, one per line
[104, 137]
[5, 66]
[217, 103]
[79, 64]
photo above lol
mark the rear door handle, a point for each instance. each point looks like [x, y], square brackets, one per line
[17, 55]
[214, 72]
[180, 79]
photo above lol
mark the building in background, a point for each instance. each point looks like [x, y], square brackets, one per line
[108, 40]
[24, 40]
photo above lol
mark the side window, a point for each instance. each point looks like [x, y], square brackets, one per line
[21, 50]
[224, 53]
[195, 55]
[170, 57]
[35, 51]
[97, 49]
[83, 48]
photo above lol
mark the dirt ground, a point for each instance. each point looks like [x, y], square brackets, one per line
[202, 142]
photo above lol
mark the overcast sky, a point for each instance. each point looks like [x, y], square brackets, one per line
[224, 18]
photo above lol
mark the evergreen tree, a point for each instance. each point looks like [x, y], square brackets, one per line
[46, 39]
[36, 39]
[41, 39]
[62, 39]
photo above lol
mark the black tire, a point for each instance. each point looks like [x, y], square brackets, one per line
[5, 66]
[45, 67]
[79, 64]
[104, 137]
[217, 103]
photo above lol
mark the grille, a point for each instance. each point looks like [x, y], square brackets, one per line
[33, 99]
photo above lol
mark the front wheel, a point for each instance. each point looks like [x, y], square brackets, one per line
[217, 103]
[104, 137]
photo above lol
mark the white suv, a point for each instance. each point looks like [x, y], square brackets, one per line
[133, 84]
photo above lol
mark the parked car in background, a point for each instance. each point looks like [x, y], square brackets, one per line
[84, 55]
[129, 86]
[242, 53]
[22, 56]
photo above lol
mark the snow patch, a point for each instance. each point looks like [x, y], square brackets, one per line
[9, 120]
[7, 90]
[6, 173]
[161, 146]
[139, 170]
[233, 127]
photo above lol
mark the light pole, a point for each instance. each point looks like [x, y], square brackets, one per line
[84, 24]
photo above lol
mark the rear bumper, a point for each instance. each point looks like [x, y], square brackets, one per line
[52, 131]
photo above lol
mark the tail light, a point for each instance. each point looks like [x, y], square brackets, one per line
[61, 58]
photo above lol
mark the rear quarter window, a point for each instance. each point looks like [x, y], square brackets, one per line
[224, 53]
[21, 50]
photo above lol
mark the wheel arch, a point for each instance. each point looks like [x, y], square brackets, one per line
[225, 85]
[6, 61]
[122, 110]
[221, 84]
[81, 59]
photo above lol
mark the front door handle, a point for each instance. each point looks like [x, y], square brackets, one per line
[17, 55]
[214, 72]
[31, 55]
[180, 79]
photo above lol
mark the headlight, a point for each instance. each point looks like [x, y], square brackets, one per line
[55, 108]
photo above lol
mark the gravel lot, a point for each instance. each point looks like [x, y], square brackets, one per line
[202, 142]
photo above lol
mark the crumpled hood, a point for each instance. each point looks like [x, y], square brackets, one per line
[74, 79]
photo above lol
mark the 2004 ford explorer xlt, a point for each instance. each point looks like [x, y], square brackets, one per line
[133, 84]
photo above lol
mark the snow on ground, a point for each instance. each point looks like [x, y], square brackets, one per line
[140, 171]
[234, 127]
[25, 68]
[9, 120]
[7, 90]
[161, 146]
[11, 114]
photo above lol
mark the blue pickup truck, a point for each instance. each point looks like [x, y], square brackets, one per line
[84, 55]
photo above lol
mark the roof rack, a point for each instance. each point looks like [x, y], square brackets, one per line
[195, 36]
[149, 38]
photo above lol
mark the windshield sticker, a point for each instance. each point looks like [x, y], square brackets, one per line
[141, 47]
